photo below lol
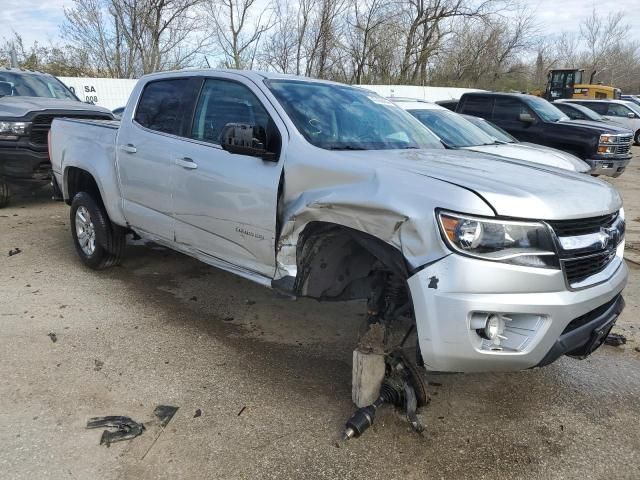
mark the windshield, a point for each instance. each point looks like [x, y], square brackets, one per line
[13, 84]
[546, 110]
[587, 112]
[491, 129]
[453, 130]
[336, 117]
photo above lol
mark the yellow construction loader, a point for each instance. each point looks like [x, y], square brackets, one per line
[567, 83]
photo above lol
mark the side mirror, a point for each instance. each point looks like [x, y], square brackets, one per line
[631, 115]
[526, 118]
[246, 139]
[6, 89]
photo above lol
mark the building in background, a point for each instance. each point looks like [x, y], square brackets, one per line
[110, 93]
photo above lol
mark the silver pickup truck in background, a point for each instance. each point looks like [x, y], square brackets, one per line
[328, 191]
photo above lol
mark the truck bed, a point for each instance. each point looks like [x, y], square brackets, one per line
[91, 146]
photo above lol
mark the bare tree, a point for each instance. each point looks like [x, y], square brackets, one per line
[279, 48]
[127, 38]
[602, 36]
[323, 37]
[366, 18]
[238, 29]
[55, 59]
[427, 26]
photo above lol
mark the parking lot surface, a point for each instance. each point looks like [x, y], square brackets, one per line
[262, 382]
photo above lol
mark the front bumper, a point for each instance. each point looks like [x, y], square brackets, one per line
[448, 293]
[613, 167]
[25, 166]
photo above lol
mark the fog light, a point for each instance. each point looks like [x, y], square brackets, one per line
[492, 328]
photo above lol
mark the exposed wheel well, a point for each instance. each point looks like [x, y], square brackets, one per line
[340, 263]
[79, 180]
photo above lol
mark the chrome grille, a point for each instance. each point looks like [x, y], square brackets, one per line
[623, 149]
[582, 226]
[581, 268]
[580, 264]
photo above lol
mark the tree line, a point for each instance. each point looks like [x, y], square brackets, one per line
[495, 44]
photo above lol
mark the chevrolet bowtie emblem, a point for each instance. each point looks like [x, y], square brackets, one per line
[607, 236]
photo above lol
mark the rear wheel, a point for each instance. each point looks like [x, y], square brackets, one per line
[5, 194]
[636, 139]
[99, 242]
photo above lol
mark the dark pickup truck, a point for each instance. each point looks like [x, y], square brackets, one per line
[29, 101]
[605, 147]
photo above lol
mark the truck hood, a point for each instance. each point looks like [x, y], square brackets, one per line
[18, 107]
[513, 188]
[596, 126]
[536, 154]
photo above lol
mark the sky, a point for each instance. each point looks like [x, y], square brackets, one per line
[40, 19]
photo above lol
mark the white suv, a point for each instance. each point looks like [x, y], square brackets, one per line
[624, 112]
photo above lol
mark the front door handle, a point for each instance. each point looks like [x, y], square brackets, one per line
[129, 148]
[186, 162]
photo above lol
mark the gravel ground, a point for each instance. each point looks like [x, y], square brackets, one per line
[270, 377]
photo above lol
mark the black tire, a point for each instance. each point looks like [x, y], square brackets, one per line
[636, 139]
[5, 194]
[108, 239]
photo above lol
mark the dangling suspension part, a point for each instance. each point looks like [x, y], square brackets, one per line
[398, 389]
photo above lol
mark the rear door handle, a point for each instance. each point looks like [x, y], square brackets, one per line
[129, 148]
[186, 162]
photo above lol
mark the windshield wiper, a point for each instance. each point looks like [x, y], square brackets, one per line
[346, 147]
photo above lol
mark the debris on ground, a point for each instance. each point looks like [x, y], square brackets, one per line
[615, 339]
[249, 302]
[165, 413]
[637, 349]
[242, 410]
[126, 428]
[98, 364]
[14, 251]
[194, 299]
[198, 413]
[53, 337]
[227, 319]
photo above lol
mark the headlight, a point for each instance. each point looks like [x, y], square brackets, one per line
[13, 130]
[519, 243]
[608, 139]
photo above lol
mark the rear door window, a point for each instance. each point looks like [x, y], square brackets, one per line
[509, 110]
[166, 105]
[477, 105]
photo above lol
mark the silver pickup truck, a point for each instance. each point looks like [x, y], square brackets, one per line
[328, 191]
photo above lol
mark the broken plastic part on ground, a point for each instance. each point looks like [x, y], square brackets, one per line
[126, 428]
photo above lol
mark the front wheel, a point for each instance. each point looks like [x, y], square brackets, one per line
[636, 139]
[99, 242]
[5, 194]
